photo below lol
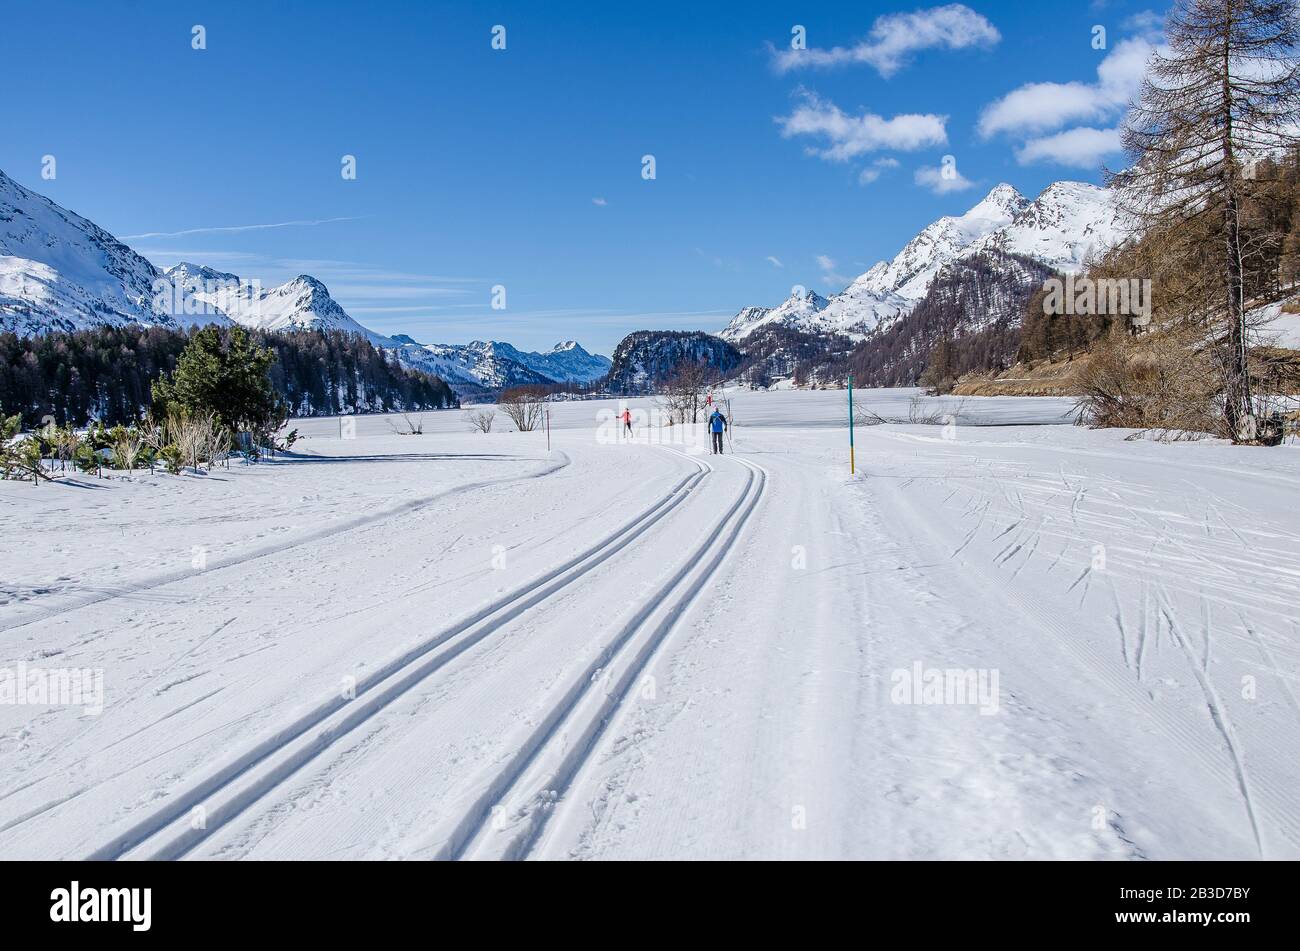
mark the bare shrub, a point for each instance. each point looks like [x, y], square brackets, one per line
[189, 434]
[409, 427]
[128, 442]
[1167, 381]
[189, 439]
[65, 442]
[918, 414]
[480, 420]
[217, 443]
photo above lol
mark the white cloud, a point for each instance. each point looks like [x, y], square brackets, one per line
[875, 170]
[896, 36]
[230, 228]
[340, 289]
[1079, 148]
[599, 201]
[717, 261]
[1147, 23]
[829, 275]
[1037, 107]
[851, 136]
[1044, 107]
[941, 183]
[774, 261]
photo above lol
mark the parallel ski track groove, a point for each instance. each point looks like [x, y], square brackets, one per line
[476, 822]
[374, 692]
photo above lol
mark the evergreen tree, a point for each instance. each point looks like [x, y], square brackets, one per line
[224, 373]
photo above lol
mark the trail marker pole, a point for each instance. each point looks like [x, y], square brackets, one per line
[853, 462]
[548, 432]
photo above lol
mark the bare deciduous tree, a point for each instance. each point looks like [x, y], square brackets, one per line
[523, 406]
[682, 395]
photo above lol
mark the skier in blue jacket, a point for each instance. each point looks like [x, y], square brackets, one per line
[717, 426]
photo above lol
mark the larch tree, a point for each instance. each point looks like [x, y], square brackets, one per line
[1221, 98]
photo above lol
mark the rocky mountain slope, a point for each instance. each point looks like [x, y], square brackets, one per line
[648, 357]
[1061, 228]
[59, 271]
[968, 320]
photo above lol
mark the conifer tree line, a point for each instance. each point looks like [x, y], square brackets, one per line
[107, 374]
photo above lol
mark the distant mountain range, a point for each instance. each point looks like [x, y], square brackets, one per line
[60, 271]
[493, 365]
[959, 278]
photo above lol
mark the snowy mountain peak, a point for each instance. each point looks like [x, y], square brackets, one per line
[59, 271]
[800, 311]
[806, 299]
[1004, 197]
[187, 271]
[309, 283]
[1063, 226]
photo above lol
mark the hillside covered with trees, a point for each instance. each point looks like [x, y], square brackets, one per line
[107, 374]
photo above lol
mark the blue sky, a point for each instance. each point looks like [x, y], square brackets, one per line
[523, 167]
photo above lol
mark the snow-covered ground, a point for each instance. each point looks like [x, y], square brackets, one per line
[461, 645]
[1276, 327]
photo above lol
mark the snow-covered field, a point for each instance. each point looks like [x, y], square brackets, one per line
[461, 645]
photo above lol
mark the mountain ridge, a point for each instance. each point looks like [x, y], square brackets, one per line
[1062, 227]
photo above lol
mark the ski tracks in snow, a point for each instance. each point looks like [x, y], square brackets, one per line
[506, 820]
[192, 815]
[139, 589]
[1157, 560]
